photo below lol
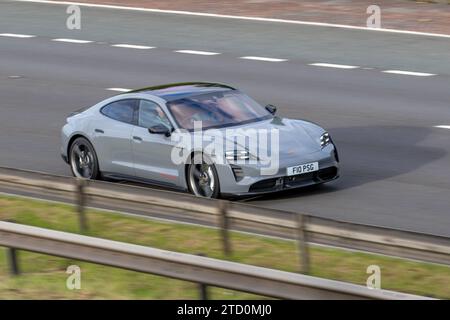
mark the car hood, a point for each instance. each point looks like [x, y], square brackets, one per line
[295, 137]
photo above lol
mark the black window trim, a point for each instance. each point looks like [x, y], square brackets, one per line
[135, 111]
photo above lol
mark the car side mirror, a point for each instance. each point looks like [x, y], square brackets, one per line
[160, 129]
[271, 108]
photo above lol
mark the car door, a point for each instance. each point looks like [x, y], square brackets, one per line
[113, 135]
[152, 151]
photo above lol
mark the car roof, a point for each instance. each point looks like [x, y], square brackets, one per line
[174, 91]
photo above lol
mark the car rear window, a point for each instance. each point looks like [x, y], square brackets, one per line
[123, 110]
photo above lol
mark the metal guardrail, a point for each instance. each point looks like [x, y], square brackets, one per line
[219, 273]
[232, 216]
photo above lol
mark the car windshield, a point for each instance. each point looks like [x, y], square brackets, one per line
[217, 109]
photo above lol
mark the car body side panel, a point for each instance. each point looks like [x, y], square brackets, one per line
[112, 142]
[152, 157]
[78, 125]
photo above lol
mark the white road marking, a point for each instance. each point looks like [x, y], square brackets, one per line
[16, 35]
[119, 89]
[331, 65]
[72, 41]
[213, 15]
[263, 59]
[131, 46]
[442, 127]
[203, 53]
[409, 73]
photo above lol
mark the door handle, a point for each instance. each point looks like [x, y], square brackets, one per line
[99, 131]
[137, 138]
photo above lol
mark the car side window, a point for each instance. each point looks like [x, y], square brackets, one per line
[123, 110]
[151, 114]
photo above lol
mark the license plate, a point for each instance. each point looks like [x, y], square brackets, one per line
[303, 168]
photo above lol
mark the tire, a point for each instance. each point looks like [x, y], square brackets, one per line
[83, 160]
[202, 178]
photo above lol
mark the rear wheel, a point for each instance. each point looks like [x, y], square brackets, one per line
[202, 177]
[83, 159]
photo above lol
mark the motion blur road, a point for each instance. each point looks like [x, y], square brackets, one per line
[395, 163]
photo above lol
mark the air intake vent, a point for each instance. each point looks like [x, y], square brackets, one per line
[238, 173]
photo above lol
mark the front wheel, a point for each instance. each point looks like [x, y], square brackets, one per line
[203, 180]
[83, 160]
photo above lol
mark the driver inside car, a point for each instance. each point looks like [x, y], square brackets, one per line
[151, 115]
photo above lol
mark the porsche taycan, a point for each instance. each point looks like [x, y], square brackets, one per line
[206, 138]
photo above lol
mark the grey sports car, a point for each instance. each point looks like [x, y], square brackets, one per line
[206, 138]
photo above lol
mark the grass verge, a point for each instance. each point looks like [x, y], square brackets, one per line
[44, 277]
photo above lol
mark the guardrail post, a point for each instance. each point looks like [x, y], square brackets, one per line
[13, 263]
[302, 240]
[12, 257]
[81, 203]
[203, 288]
[203, 291]
[224, 227]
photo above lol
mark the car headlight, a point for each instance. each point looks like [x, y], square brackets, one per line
[237, 155]
[325, 140]
[242, 155]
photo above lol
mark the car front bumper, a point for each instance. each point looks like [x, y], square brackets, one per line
[65, 158]
[254, 183]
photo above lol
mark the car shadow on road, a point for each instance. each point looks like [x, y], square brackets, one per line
[370, 154]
